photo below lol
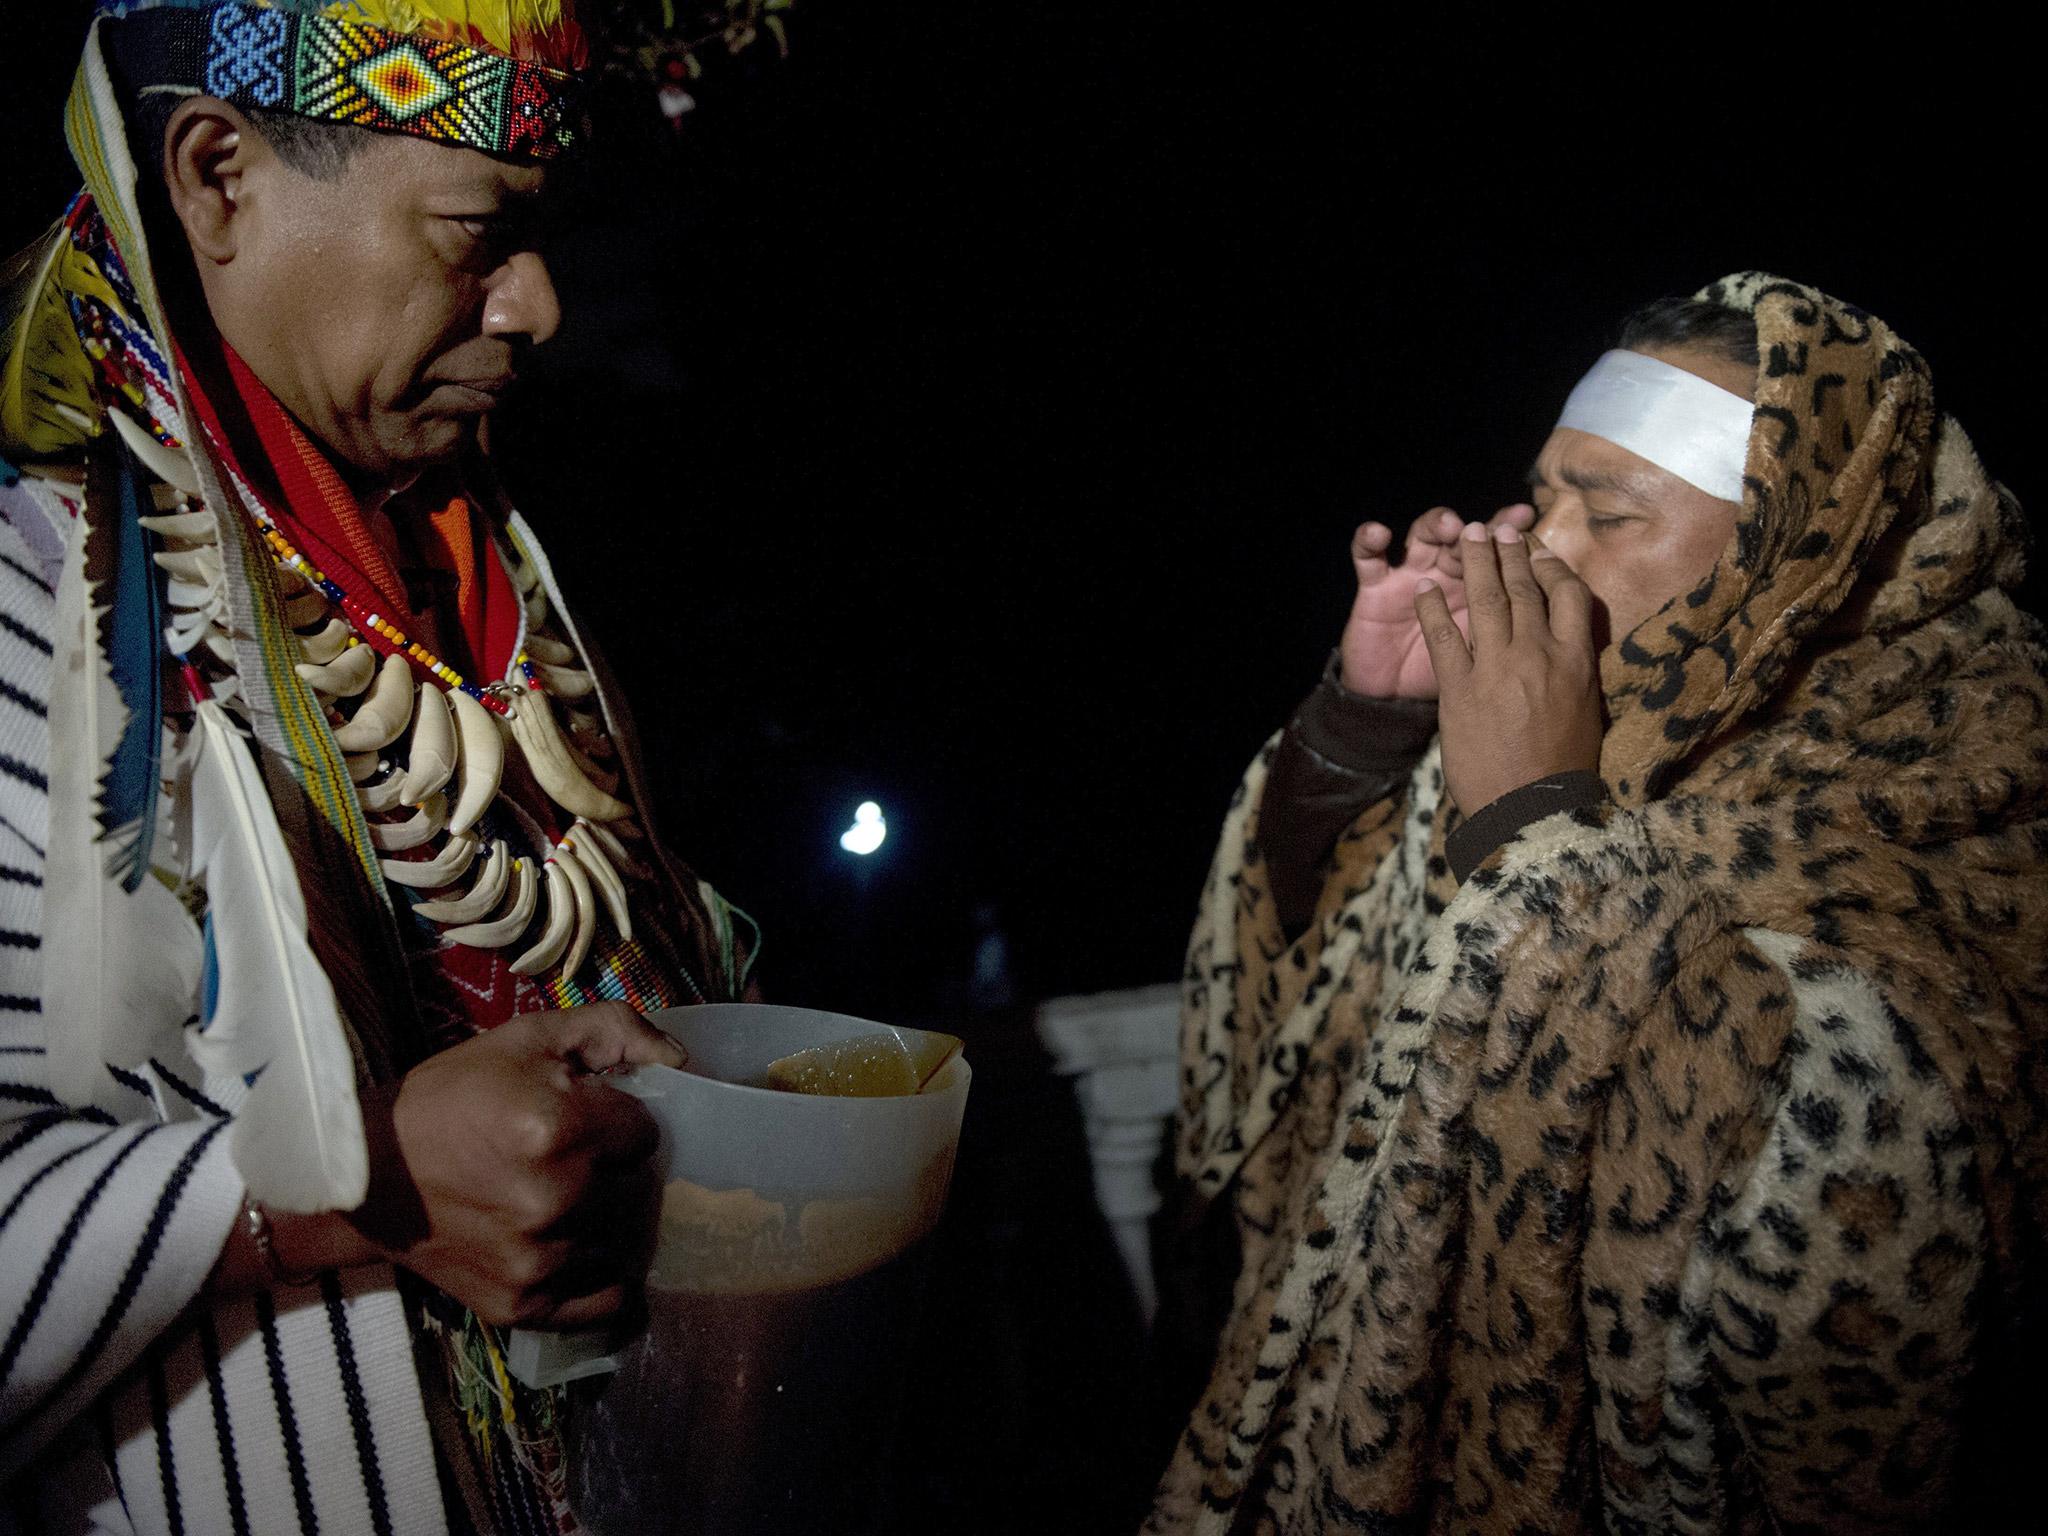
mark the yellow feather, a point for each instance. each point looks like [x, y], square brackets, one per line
[509, 26]
[46, 400]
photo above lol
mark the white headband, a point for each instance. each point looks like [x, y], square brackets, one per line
[1677, 420]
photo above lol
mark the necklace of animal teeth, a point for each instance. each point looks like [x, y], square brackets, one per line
[478, 892]
[551, 759]
[362, 617]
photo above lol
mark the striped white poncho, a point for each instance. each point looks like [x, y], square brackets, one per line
[125, 1406]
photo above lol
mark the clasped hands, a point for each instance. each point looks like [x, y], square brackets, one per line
[1493, 626]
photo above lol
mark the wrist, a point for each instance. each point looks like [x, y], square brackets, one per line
[275, 1248]
[301, 1245]
[1343, 681]
[1352, 682]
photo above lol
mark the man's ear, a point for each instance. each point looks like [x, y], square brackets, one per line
[209, 151]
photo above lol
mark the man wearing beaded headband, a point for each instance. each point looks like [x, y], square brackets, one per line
[270, 610]
[1615, 1023]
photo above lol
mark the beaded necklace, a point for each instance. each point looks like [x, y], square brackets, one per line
[361, 617]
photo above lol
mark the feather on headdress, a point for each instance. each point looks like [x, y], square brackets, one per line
[540, 31]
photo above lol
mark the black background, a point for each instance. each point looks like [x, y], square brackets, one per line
[970, 413]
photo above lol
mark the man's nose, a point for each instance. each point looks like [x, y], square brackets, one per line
[1559, 533]
[521, 300]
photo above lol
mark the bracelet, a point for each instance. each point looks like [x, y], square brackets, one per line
[266, 1248]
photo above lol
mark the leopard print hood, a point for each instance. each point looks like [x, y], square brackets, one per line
[1863, 514]
[1685, 1168]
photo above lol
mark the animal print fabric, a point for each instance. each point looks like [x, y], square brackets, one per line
[1682, 1171]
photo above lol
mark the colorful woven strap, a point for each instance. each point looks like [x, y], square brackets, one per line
[346, 72]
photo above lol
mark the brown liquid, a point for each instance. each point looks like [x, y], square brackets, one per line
[750, 1415]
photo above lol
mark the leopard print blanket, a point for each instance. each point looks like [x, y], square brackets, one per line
[1681, 1171]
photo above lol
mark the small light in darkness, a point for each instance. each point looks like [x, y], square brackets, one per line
[867, 831]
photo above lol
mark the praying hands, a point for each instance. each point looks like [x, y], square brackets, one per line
[1519, 700]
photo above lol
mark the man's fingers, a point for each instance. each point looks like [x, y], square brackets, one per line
[1451, 560]
[581, 1268]
[1439, 525]
[1448, 656]
[583, 1311]
[1486, 600]
[1526, 603]
[1569, 599]
[1433, 542]
[1370, 543]
[601, 1036]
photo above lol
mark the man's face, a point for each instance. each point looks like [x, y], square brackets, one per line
[388, 307]
[1637, 535]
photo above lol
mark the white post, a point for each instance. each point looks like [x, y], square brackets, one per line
[1122, 1049]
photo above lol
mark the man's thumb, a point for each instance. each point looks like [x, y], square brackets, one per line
[600, 1036]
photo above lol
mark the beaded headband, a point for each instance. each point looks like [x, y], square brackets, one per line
[341, 71]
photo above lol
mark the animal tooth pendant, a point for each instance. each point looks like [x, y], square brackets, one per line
[480, 758]
[379, 795]
[444, 868]
[536, 605]
[220, 645]
[362, 766]
[496, 932]
[420, 827]
[549, 651]
[200, 566]
[566, 682]
[188, 527]
[482, 897]
[326, 643]
[191, 626]
[524, 577]
[560, 924]
[307, 607]
[192, 594]
[607, 838]
[540, 741]
[430, 763]
[585, 907]
[385, 713]
[602, 778]
[590, 854]
[345, 676]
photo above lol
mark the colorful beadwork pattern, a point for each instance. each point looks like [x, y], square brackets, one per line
[132, 372]
[347, 72]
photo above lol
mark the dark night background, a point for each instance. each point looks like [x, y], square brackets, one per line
[970, 413]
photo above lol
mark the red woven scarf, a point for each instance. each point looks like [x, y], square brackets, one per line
[459, 990]
[314, 508]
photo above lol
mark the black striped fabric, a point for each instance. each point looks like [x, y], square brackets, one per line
[123, 1407]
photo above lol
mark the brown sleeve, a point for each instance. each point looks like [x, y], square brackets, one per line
[1340, 753]
[1473, 839]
